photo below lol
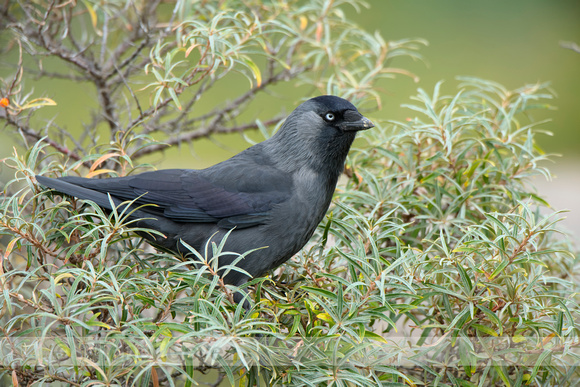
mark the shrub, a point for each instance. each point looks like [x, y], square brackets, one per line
[437, 264]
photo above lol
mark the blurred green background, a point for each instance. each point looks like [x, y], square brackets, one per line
[512, 42]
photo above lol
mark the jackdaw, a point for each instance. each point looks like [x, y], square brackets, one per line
[271, 196]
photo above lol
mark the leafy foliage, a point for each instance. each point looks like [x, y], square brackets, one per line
[437, 265]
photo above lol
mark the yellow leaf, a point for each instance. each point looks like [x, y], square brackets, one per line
[548, 338]
[518, 339]
[190, 49]
[303, 23]
[324, 317]
[256, 71]
[101, 159]
[63, 346]
[98, 172]
[526, 377]
[38, 102]
[61, 276]
[485, 329]
[376, 337]
[9, 248]
[92, 13]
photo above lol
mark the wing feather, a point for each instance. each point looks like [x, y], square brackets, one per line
[197, 196]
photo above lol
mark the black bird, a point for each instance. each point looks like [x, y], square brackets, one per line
[271, 195]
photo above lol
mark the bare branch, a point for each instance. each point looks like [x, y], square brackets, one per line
[31, 133]
[201, 133]
[35, 305]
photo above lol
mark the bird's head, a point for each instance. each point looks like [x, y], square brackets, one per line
[320, 130]
[338, 113]
[324, 118]
[334, 112]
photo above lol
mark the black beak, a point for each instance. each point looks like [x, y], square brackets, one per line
[354, 121]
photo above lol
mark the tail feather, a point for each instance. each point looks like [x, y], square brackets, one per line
[147, 219]
[71, 189]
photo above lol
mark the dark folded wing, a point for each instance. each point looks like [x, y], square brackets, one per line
[232, 198]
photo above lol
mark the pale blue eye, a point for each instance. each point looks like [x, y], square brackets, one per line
[329, 117]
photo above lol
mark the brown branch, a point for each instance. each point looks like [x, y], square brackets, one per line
[521, 247]
[109, 107]
[30, 303]
[62, 379]
[38, 244]
[45, 40]
[28, 132]
[115, 69]
[144, 33]
[220, 113]
[55, 75]
[190, 81]
[201, 133]
[177, 124]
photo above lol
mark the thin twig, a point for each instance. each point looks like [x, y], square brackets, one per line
[201, 133]
[28, 132]
[21, 298]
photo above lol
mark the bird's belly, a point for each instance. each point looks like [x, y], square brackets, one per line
[295, 230]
